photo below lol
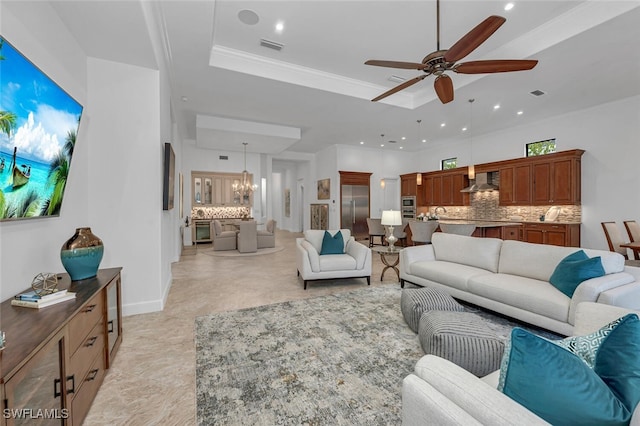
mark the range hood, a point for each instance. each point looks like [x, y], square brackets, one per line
[482, 183]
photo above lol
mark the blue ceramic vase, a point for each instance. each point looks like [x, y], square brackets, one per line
[81, 254]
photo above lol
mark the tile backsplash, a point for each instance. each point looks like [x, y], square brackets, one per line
[220, 212]
[485, 205]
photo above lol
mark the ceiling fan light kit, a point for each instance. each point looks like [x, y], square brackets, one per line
[441, 61]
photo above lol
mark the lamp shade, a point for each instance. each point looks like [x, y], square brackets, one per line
[391, 218]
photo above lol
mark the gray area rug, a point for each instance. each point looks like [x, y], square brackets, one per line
[331, 360]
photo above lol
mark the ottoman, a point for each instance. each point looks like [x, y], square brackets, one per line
[416, 301]
[463, 338]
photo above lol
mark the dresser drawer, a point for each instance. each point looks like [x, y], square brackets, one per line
[85, 320]
[92, 346]
[87, 390]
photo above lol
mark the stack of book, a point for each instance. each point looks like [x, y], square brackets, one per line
[32, 300]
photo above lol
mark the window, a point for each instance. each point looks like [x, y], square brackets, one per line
[541, 147]
[449, 163]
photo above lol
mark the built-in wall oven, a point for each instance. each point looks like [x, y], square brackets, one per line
[408, 206]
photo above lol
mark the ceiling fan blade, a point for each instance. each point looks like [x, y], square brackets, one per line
[474, 38]
[399, 87]
[444, 88]
[500, 65]
[396, 64]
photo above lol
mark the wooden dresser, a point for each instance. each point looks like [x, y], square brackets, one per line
[56, 357]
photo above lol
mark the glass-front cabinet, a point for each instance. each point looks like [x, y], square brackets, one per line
[38, 392]
[219, 189]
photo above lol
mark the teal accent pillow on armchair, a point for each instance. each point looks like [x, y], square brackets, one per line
[574, 269]
[332, 244]
[561, 388]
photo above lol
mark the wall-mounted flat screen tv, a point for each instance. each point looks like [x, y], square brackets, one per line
[38, 127]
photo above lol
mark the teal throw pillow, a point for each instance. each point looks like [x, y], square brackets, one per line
[557, 385]
[574, 269]
[332, 244]
[554, 379]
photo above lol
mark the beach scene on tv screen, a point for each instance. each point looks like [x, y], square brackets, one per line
[38, 127]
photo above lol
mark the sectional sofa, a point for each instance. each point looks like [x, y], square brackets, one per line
[512, 278]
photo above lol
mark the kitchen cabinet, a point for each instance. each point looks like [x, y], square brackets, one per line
[556, 182]
[442, 188]
[540, 181]
[56, 357]
[567, 235]
[408, 185]
[515, 185]
[212, 189]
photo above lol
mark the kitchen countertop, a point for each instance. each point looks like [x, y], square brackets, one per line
[483, 223]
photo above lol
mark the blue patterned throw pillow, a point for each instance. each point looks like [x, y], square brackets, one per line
[560, 387]
[332, 244]
[574, 269]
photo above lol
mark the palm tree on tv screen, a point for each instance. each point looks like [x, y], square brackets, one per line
[59, 172]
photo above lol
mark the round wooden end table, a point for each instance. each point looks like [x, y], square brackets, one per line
[390, 258]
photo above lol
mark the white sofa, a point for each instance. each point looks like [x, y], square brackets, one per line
[439, 392]
[355, 262]
[512, 278]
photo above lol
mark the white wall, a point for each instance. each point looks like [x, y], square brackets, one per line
[29, 247]
[115, 180]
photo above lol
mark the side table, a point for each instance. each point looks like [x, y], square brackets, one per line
[390, 258]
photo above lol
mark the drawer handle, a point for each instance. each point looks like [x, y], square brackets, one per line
[56, 387]
[110, 326]
[92, 375]
[90, 308]
[73, 384]
[91, 342]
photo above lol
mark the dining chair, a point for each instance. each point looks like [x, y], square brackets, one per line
[633, 229]
[421, 232]
[458, 228]
[614, 238]
[248, 237]
[375, 230]
[267, 237]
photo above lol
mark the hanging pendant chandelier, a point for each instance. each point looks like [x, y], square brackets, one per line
[245, 188]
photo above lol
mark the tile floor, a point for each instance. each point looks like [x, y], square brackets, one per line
[152, 380]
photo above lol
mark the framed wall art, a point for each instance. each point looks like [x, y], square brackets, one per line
[324, 189]
[287, 202]
[320, 216]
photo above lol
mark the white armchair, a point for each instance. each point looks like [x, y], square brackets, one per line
[355, 262]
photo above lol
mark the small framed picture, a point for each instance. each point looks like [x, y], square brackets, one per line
[324, 189]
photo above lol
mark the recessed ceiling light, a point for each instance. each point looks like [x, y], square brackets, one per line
[401, 147]
[404, 138]
[184, 99]
[520, 112]
[424, 140]
[361, 142]
[442, 124]
[508, 6]
[496, 106]
[464, 129]
[279, 26]
[381, 144]
[248, 17]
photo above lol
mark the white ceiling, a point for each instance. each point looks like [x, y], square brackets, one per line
[588, 53]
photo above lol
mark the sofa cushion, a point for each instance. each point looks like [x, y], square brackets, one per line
[478, 252]
[574, 269]
[540, 260]
[448, 273]
[337, 262]
[332, 244]
[525, 293]
[557, 385]
[315, 237]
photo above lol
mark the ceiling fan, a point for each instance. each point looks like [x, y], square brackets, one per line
[440, 61]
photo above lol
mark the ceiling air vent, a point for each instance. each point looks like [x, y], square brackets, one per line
[271, 44]
[223, 157]
[537, 93]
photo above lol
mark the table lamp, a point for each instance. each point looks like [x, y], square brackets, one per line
[391, 218]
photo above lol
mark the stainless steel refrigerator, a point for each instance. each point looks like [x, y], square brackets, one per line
[355, 209]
